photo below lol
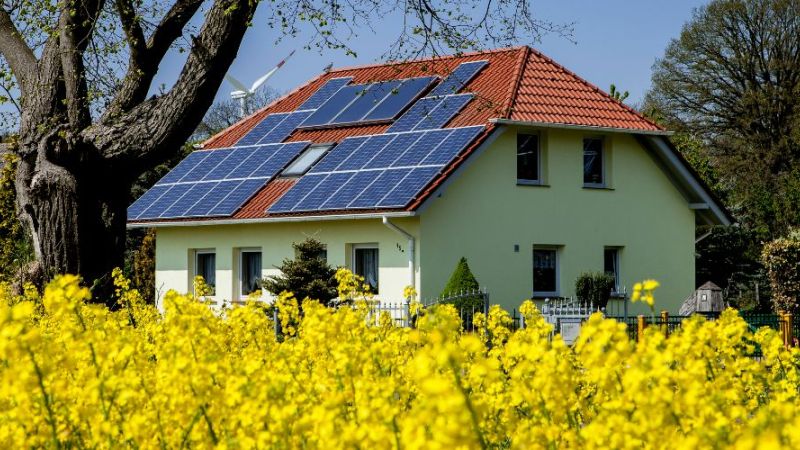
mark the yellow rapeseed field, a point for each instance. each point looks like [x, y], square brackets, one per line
[77, 375]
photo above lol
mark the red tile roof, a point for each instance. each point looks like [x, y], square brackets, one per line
[518, 84]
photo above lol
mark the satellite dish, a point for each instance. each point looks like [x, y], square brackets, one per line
[242, 92]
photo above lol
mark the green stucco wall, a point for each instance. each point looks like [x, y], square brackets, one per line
[482, 214]
[175, 246]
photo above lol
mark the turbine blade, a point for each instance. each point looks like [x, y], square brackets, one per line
[259, 82]
[235, 83]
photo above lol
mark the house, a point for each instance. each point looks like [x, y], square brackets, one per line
[504, 157]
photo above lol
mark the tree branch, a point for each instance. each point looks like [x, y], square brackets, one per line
[146, 57]
[156, 128]
[13, 47]
[76, 25]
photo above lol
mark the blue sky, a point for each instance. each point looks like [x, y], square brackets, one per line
[615, 41]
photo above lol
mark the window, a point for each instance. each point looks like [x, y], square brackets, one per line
[303, 163]
[593, 170]
[249, 272]
[545, 272]
[611, 264]
[205, 265]
[365, 263]
[528, 158]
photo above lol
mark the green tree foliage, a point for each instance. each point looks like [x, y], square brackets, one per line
[308, 276]
[463, 281]
[15, 250]
[618, 95]
[144, 267]
[782, 259]
[732, 80]
[594, 288]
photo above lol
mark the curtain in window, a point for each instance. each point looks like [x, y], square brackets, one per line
[367, 266]
[251, 272]
[207, 268]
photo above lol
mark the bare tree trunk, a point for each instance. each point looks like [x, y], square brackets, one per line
[76, 214]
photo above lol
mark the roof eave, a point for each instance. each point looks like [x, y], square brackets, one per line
[273, 219]
[701, 199]
[567, 126]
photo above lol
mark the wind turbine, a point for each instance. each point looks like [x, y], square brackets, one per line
[242, 93]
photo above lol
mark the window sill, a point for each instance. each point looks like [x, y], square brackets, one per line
[544, 296]
[531, 183]
[597, 187]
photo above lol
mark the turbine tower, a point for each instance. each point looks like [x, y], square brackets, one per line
[242, 93]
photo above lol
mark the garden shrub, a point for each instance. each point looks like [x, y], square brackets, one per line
[781, 257]
[308, 276]
[594, 288]
[463, 281]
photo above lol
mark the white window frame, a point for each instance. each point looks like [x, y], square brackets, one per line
[242, 251]
[205, 251]
[603, 169]
[325, 148]
[557, 251]
[353, 260]
[526, 181]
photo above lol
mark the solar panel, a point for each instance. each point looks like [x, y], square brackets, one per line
[183, 167]
[331, 161]
[325, 92]
[400, 99]
[362, 155]
[447, 108]
[452, 146]
[378, 171]
[393, 150]
[414, 115]
[367, 101]
[335, 105]
[294, 195]
[425, 145]
[459, 78]
[285, 128]
[383, 184]
[218, 183]
[374, 102]
[408, 187]
[266, 125]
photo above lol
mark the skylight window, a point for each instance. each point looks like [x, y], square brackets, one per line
[307, 159]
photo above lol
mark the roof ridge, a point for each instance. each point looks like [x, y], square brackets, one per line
[595, 88]
[514, 89]
[428, 59]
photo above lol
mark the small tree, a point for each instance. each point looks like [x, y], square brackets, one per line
[595, 288]
[781, 257]
[308, 276]
[463, 281]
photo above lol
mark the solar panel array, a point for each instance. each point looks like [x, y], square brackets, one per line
[377, 171]
[373, 102]
[459, 78]
[214, 182]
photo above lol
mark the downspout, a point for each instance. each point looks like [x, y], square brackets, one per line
[411, 244]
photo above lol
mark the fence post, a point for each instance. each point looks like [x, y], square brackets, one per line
[640, 327]
[665, 322]
[789, 329]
